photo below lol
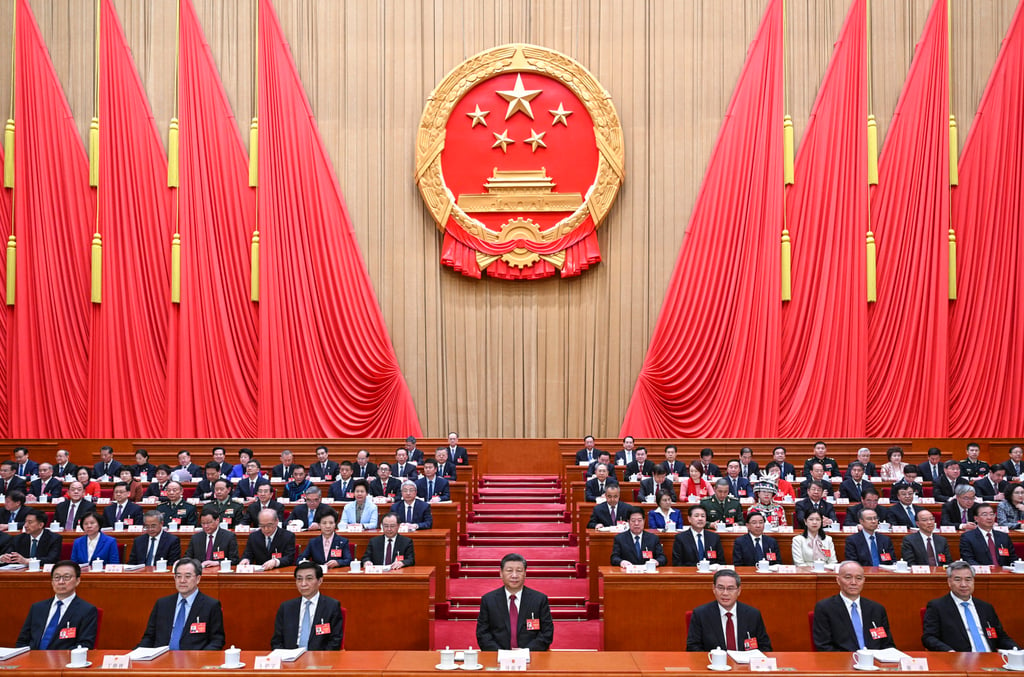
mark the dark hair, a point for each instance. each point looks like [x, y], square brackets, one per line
[635, 510]
[143, 453]
[188, 560]
[513, 557]
[996, 467]
[67, 563]
[812, 512]
[726, 573]
[120, 484]
[253, 459]
[247, 451]
[934, 451]
[331, 512]
[105, 448]
[707, 451]
[89, 514]
[221, 480]
[307, 565]
[38, 514]
[950, 463]
[298, 466]
[317, 450]
[429, 461]
[360, 483]
[870, 492]
[658, 496]
[212, 465]
[16, 495]
[893, 450]
[693, 508]
[185, 451]
[696, 465]
[163, 466]
[856, 464]
[87, 471]
[210, 511]
[744, 450]
[348, 464]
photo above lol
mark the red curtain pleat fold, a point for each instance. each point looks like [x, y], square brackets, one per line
[712, 369]
[128, 365]
[327, 366]
[5, 316]
[212, 370]
[986, 354]
[907, 384]
[48, 347]
[823, 386]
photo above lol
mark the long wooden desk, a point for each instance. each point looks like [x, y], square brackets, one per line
[385, 611]
[633, 600]
[418, 663]
[598, 548]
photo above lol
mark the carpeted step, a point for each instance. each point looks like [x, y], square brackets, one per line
[518, 517]
[569, 635]
[539, 555]
[559, 613]
[511, 540]
[558, 590]
[518, 528]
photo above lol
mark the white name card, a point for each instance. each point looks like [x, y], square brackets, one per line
[982, 569]
[114, 569]
[914, 664]
[900, 529]
[850, 530]
[920, 569]
[245, 569]
[375, 568]
[947, 530]
[787, 569]
[267, 663]
[136, 527]
[116, 662]
[354, 527]
[763, 664]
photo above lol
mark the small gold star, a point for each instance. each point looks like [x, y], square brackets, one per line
[560, 115]
[502, 140]
[478, 116]
[535, 140]
[519, 98]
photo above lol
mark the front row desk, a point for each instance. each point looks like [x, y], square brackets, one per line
[413, 663]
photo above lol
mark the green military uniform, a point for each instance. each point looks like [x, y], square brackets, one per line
[729, 511]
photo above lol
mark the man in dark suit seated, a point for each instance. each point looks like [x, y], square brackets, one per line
[218, 455]
[625, 456]
[709, 469]
[270, 547]
[868, 502]
[283, 470]
[603, 458]
[156, 544]
[204, 487]
[187, 620]
[33, 541]
[817, 474]
[157, 487]
[636, 546]
[62, 465]
[658, 482]
[9, 480]
[739, 486]
[26, 467]
[903, 512]
[727, 623]
[754, 546]
[402, 468]
[867, 546]
[944, 489]
[341, 489]
[960, 622]
[786, 469]
[514, 606]
[431, 487]
[992, 487]
[640, 467]
[325, 469]
[264, 500]
[108, 467]
[847, 621]
[391, 548]
[13, 513]
[960, 513]
[864, 458]
[212, 545]
[854, 485]
[985, 545]
[384, 484]
[456, 454]
[588, 454]
[596, 485]
[253, 480]
[925, 547]
[814, 501]
[674, 468]
[122, 510]
[932, 469]
[697, 543]
[46, 485]
[1015, 464]
[311, 621]
[414, 453]
[311, 510]
[64, 621]
[611, 512]
[364, 468]
[69, 514]
[446, 468]
[412, 510]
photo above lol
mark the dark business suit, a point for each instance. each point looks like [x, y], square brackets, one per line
[647, 488]
[157, 489]
[634, 468]
[404, 471]
[364, 472]
[448, 470]
[459, 456]
[924, 471]
[624, 549]
[593, 489]
[684, 549]
[246, 487]
[287, 623]
[850, 489]
[869, 470]
[282, 471]
[743, 551]
[393, 488]
[301, 513]
[974, 548]
[47, 550]
[60, 513]
[79, 615]
[739, 487]
[168, 547]
[225, 546]
[53, 488]
[147, 468]
[951, 515]
[252, 513]
[314, 551]
[65, 470]
[987, 491]
[945, 631]
[441, 489]
[110, 469]
[898, 515]
[30, 468]
[833, 629]
[283, 544]
[377, 548]
[858, 549]
[914, 552]
[205, 610]
[421, 515]
[15, 518]
[131, 514]
[943, 490]
[326, 471]
[705, 632]
[588, 457]
[341, 490]
[193, 469]
[804, 506]
[852, 518]
[493, 628]
[592, 470]
[602, 515]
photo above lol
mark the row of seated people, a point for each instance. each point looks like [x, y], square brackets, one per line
[633, 460]
[980, 542]
[36, 541]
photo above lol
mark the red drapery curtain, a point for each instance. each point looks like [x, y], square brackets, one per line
[823, 380]
[986, 354]
[5, 227]
[55, 211]
[212, 360]
[327, 366]
[907, 385]
[128, 359]
[713, 365]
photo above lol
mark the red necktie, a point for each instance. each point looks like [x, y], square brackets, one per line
[730, 632]
[209, 548]
[931, 552]
[513, 621]
[992, 549]
[387, 553]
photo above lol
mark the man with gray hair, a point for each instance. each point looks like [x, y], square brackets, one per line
[847, 621]
[958, 621]
[960, 512]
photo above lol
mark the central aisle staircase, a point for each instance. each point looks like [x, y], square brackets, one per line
[524, 514]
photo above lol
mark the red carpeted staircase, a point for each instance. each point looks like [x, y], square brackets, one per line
[524, 514]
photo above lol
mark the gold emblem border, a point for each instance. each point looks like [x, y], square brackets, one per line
[519, 58]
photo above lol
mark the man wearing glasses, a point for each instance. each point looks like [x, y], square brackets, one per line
[64, 621]
[727, 623]
[188, 620]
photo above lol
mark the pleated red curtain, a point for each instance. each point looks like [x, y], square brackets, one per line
[5, 228]
[327, 366]
[986, 353]
[823, 384]
[907, 347]
[212, 372]
[713, 365]
[48, 346]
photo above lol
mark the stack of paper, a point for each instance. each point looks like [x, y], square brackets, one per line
[287, 655]
[144, 654]
[743, 657]
[6, 653]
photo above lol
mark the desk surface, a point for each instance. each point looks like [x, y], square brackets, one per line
[632, 664]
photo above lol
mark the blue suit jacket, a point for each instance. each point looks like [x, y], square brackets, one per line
[31, 468]
[314, 551]
[655, 520]
[684, 549]
[441, 489]
[205, 610]
[743, 550]
[79, 615]
[168, 548]
[247, 489]
[858, 550]
[97, 470]
[106, 550]
[421, 515]
[368, 519]
[974, 548]
[131, 512]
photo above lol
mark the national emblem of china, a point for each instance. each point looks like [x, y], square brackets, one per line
[519, 157]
